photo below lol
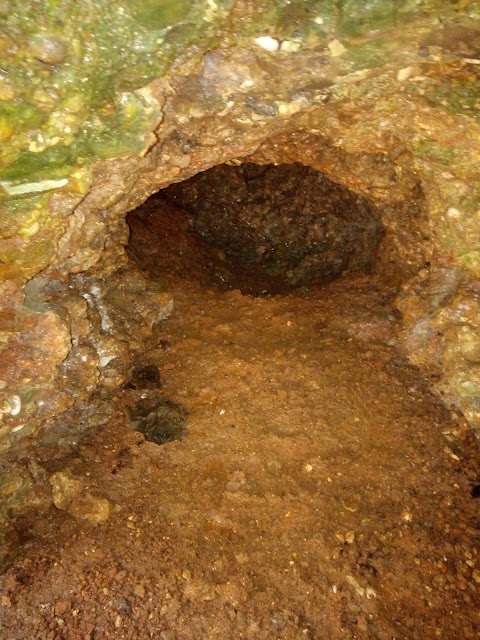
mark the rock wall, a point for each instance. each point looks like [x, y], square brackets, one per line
[103, 104]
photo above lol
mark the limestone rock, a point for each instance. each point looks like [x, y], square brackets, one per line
[64, 489]
[91, 508]
[69, 495]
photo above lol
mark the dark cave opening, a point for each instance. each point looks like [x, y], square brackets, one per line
[262, 229]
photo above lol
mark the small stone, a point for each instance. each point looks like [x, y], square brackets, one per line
[268, 43]
[182, 161]
[454, 213]
[359, 590]
[290, 46]
[336, 48]
[370, 592]
[139, 590]
[49, 48]
[64, 488]
[404, 74]
[93, 509]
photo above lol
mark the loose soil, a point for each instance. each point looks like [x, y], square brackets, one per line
[320, 490]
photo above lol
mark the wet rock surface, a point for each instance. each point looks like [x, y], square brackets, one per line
[102, 105]
[82, 339]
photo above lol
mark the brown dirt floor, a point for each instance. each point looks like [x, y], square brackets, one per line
[320, 492]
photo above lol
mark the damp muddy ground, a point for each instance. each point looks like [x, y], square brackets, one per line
[317, 489]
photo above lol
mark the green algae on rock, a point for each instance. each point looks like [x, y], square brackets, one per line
[159, 14]
[69, 75]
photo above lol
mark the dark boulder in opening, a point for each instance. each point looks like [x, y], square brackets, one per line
[277, 227]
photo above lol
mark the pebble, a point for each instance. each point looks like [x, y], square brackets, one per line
[404, 74]
[139, 590]
[268, 43]
[454, 213]
[350, 537]
[49, 48]
[336, 48]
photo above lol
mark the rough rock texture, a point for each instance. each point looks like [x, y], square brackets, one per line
[287, 224]
[104, 103]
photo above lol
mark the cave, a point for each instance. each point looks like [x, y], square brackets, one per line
[239, 320]
[278, 227]
[271, 229]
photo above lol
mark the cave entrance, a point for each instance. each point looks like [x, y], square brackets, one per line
[249, 251]
[304, 471]
[261, 229]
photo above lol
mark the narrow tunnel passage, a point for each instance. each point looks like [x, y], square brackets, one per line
[279, 227]
[281, 231]
[309, 484]
[269, 229]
